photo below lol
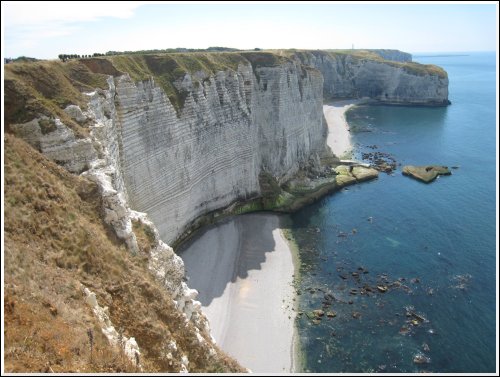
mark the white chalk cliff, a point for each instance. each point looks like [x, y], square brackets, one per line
[351, 76]
[232, 126]
[168, 167]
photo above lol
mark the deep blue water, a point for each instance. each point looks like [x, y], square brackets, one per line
[433, 245]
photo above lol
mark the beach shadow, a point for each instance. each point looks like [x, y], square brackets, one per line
[227, 251]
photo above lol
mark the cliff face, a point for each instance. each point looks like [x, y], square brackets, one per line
[170, 138]
[178, 136]
[393, 55]
[357, 76]
[233, 125]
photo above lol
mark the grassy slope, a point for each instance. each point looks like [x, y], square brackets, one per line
[47, 87]
[55, 240]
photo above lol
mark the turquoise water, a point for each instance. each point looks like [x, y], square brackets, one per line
[433, 246]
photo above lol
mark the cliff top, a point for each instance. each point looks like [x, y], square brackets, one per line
[47, 87]
[375, 55]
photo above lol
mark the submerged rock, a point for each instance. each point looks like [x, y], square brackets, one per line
[356, 315]
[404, 330]
[382, 288]
[318, 313]
[427, 173]
[421, 359]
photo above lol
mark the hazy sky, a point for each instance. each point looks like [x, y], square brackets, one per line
[44, 30]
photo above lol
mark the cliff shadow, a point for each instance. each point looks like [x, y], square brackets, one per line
[225, 252]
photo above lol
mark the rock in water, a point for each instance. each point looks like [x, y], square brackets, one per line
[318, 313]
[425, 173]
[421, 359]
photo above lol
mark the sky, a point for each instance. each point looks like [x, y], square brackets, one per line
[46, 29]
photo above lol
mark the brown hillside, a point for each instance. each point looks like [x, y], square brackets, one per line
[55, 241]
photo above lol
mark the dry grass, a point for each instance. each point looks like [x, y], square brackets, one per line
[43, 336]
[55, 240]
[144, 235]
[47, 87]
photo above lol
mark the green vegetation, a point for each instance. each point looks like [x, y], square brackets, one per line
[286, 198]
[34, 88]
[270, 189]
[263, 59]
[410, 67]
[171, 51]
[21, 59]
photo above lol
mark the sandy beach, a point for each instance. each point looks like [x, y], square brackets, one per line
[243, 270]
[339, 138]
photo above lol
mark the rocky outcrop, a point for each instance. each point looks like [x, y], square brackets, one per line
[128, 345]
[357, 76]
[57, 142]
[427, 173]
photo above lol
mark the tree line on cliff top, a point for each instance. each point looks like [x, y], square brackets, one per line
[65, 57]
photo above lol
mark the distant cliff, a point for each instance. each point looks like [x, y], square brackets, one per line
[366, 74]
[394, 55]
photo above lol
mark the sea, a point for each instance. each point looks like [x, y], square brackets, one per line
[407, 271]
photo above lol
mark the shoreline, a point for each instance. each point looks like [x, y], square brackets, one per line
[234, 261]
[233, 265]
[339, 138]
[296, 349]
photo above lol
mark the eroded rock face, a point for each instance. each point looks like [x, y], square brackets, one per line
[354, 77]
[128, 345]
[75, 113]
[106, 170]
[57, 142]
[232, 126]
